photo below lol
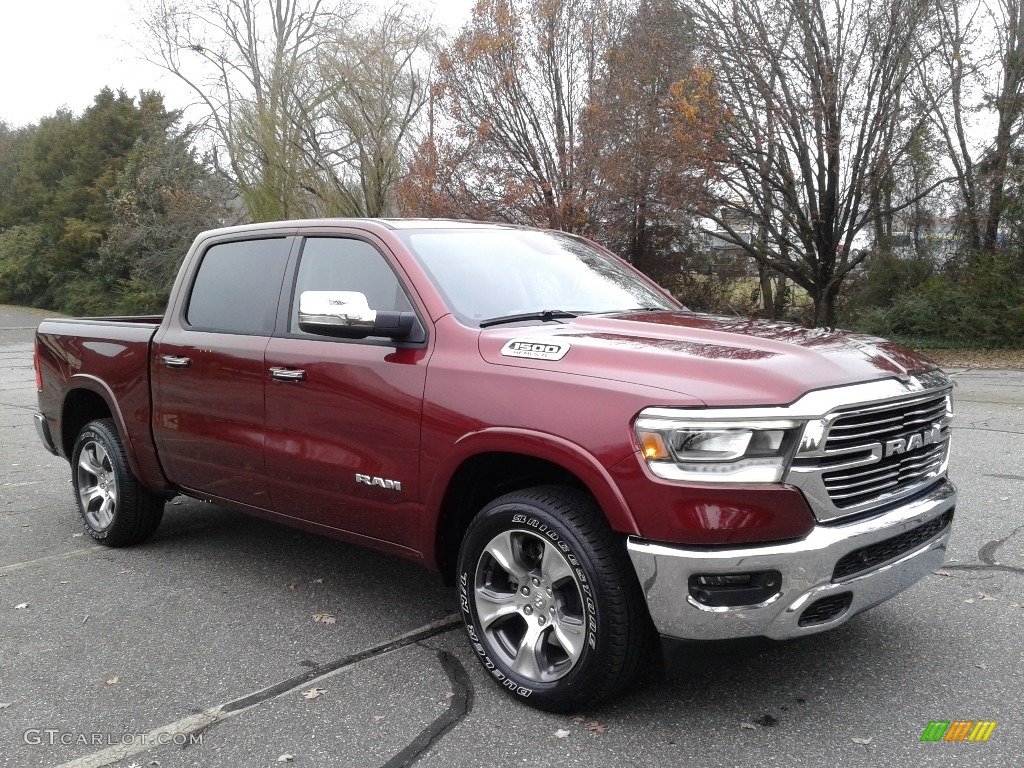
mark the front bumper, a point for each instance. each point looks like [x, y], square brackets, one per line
[43, 430]
[807, 567]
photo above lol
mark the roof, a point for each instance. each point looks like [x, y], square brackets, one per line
[392, 224]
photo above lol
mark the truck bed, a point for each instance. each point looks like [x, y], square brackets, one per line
[103, 359]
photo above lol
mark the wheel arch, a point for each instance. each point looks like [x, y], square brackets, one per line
[490, 463]
[88, 399]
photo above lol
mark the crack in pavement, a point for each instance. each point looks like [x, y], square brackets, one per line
[201, 721]
[460, 706]
[962, 428]
[324, 670]
[1004, 568]
[987, 555]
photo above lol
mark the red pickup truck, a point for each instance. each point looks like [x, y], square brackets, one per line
[588, 462]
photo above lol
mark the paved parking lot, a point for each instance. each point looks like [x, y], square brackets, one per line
[203, 642]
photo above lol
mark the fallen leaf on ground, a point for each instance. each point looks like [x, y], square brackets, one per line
[324, 618]
[577, 719]
[19, 606]
[4, 704]
[986, 598]
[378, 718]
[855, 740]
[941, 572]
[113, 681]
[1016, 605]
[561, 733]
[317, 581]
[314, 693]
[134, 765]
[285, 758]
[969, 600]
[77, 535]
[748, 726]
[981, 665]
[596, 727]
[450, 695]
[65, 582]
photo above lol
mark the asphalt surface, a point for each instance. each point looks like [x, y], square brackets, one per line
[204, 639]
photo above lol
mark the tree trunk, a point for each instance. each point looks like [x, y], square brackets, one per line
[825, 306]
[780, 297]
[767, 294]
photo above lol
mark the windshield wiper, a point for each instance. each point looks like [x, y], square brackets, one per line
[545, 315]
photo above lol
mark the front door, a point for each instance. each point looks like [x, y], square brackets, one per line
[343, 416]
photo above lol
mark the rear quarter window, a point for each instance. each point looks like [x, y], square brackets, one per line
[237, 287]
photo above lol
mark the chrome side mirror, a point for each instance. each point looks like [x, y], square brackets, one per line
[348, 315]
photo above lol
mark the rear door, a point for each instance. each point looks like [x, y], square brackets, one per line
[209, 373]
[343, 416]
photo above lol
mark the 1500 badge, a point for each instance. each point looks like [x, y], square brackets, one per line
[535, 349]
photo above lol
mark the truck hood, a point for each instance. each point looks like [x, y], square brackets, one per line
[720, 361]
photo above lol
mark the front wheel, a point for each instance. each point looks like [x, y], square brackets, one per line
[550, 600]
[115, 508]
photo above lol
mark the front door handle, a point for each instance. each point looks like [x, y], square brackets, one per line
[287, 374]
[173, 361]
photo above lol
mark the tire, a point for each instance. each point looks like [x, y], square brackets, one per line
[115, 508]
[550, 600]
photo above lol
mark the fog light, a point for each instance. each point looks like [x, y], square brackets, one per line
[733, 590]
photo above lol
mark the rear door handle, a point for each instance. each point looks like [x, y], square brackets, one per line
[287, 374]
[172, 361]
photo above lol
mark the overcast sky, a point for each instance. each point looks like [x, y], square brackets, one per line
[56, 53]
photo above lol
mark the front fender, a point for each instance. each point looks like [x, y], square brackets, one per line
[539, 445]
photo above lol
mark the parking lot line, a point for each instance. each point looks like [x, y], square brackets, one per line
[5, 569]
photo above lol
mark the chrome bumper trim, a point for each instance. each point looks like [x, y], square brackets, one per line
[806, 566]
[43, 430]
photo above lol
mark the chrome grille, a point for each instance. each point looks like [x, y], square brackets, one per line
[860, 432]
[856, 486]
[869, 453]
[885, 423]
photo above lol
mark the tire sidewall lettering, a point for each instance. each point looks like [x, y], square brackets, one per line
[87, 435]
[466, 579]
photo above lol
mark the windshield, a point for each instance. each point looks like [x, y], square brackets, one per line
[488, 274]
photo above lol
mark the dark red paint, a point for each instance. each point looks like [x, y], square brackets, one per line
[223, 429]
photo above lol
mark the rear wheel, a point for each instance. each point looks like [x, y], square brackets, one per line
[550, 600]
[115, 508]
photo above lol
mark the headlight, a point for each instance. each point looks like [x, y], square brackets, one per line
[722, 451]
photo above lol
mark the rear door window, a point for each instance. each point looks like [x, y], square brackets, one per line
[238, 286]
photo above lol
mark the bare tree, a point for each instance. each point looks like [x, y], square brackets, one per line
[815, 91]
[309, 109]
[514, 85]
[979, 70]
[375, 81]
[247, 63]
